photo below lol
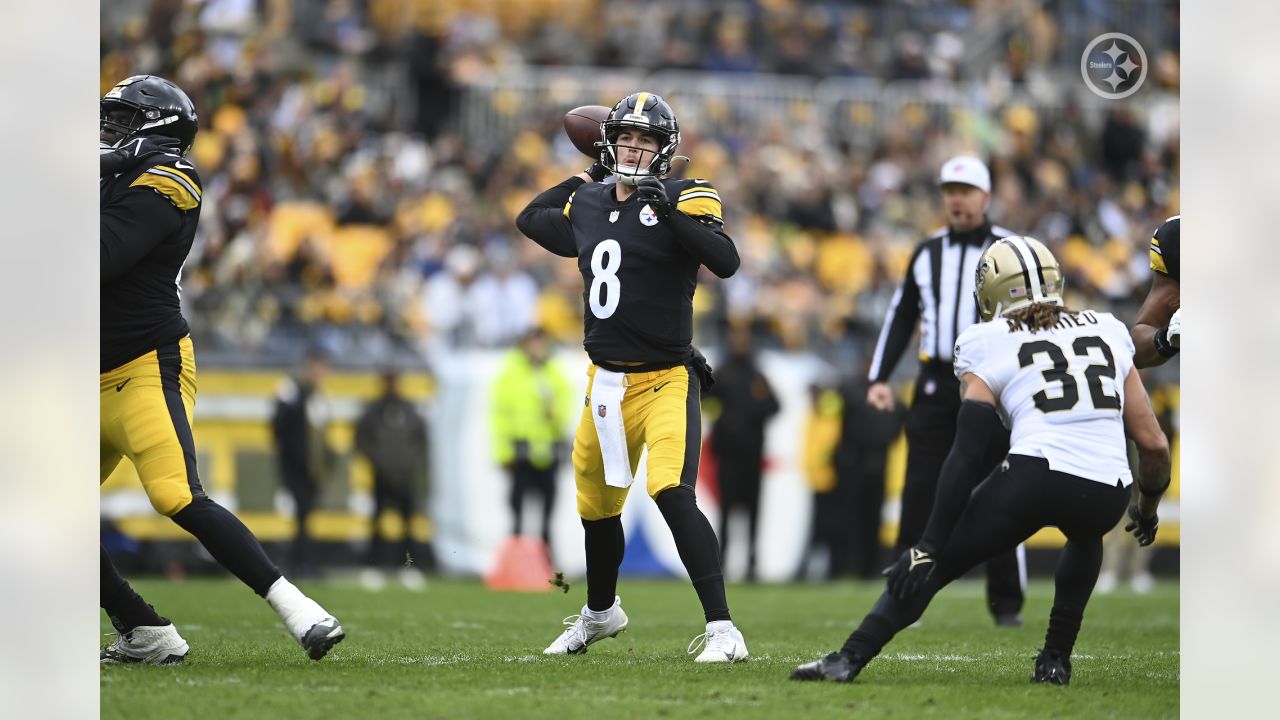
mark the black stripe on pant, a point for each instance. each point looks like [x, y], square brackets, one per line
[692, 430]
[169, 357]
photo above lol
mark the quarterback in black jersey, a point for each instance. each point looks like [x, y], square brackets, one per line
[150, 201]
[1157, 333]
[639, 241]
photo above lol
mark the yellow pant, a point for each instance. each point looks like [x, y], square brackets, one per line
[660, 409]
[146, 410]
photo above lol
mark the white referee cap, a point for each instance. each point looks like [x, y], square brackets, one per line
[967, 170]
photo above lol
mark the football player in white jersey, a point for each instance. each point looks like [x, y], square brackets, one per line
[1064, 383]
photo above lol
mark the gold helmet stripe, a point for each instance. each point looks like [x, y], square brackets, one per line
[640, 101]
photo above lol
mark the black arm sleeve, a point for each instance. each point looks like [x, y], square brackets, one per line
[978, 427]
[899, 325]
[543, 220]
[706, 242]
[132, 226]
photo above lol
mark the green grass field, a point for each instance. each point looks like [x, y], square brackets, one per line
[459, 651]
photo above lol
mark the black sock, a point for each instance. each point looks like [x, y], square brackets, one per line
[229, 542]
[698, 548]
[124, 606]
[605, 543]
[872, 635]
[1064, 627]
[1077, 573]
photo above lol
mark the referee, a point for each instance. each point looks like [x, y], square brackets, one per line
[938, 293]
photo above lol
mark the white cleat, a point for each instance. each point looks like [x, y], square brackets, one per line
[584, 630]
[721, 643]
[147, 644]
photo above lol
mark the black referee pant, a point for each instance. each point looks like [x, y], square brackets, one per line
[931, 429]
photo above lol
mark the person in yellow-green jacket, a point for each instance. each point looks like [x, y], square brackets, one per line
[533, 406]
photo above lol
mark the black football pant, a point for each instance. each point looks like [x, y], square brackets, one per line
[1016, 501]
[931, 429]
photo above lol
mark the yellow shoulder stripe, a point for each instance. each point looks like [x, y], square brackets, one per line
[172, 170]
[568, 205]
[704, 203]
[178, 192]
[700, 187]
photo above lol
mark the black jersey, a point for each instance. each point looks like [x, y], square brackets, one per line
[1166, 256]
[639, 273]
[149, 217]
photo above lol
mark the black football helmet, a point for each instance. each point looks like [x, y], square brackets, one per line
[648, 113]
[147, 105]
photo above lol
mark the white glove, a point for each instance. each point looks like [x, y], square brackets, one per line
[1174, 333]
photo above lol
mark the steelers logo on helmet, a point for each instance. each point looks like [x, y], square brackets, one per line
[650, 114]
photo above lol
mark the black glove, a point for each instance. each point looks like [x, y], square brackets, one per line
[910, 572]
[598, 172]
[1144, 529]
[703, 370]
[134, 151]
[651, 191]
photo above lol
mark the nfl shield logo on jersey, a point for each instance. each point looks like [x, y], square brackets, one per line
[648, 217]
[600, 410]
[613, 216]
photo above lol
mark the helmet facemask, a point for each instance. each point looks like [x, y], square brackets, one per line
[121, 121]
[657, 121]
[145, 105]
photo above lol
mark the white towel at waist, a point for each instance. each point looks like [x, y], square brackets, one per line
[606, 402]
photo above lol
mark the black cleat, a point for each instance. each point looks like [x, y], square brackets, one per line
[322, 637]
[1052, 668]
[836, 667]
[1009, 620]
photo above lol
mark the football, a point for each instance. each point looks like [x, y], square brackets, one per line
[582, 125]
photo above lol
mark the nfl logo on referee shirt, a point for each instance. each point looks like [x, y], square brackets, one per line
[648, 217]
[600, 410]
[613, 216]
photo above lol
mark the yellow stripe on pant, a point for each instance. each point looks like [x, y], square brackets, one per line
[660, 410]
[146, 407]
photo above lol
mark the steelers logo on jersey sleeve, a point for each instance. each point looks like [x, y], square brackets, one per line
[648, 217]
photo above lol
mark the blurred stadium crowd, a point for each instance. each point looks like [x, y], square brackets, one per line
[353, 203]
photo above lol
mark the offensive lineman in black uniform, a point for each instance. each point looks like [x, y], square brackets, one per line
[1157, 333]
[150, 205]
[639, 243]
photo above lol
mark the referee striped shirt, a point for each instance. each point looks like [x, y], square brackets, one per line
[937, 293]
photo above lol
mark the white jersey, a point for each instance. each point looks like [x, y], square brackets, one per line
[1060, 391]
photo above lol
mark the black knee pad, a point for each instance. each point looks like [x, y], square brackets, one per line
[675, 501]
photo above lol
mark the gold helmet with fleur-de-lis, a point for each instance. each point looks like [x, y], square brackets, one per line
[1013, 273]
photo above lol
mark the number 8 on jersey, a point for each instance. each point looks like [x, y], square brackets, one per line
[604, 280]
